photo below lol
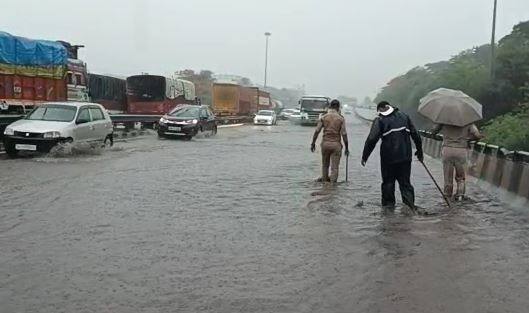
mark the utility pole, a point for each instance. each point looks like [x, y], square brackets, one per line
[493, 44]
[267, 35]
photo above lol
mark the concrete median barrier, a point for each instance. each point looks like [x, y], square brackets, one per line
[508, 170]
[523, 186]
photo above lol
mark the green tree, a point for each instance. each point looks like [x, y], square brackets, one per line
[203, 81]
[510, 130]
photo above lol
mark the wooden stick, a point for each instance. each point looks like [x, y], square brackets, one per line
[437, 185]
[346, 168]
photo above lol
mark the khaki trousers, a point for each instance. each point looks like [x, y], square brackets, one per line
[331, 153]
[454, 160]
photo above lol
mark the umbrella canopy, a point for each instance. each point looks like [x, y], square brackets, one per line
[450, 107]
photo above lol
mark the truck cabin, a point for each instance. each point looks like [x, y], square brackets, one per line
[312, 108]
[76, 81]
[314, 104]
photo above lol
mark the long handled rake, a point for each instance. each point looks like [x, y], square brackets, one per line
[437, 185]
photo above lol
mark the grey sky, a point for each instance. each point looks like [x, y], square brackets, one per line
[332, 46]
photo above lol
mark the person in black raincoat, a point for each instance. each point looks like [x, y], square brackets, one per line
[395, 129]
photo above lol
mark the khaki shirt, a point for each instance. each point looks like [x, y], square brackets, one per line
[333, 125]
[457, 137]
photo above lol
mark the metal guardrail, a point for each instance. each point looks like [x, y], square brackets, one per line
[134, 118]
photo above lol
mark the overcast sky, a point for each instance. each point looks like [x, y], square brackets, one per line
[350, 47]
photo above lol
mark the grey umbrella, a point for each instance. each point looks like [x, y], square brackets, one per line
[450, 107]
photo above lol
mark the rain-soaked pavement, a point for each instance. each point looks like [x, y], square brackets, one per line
[235, 224]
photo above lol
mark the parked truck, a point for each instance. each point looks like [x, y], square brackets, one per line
[37, 71]
[108, 91]
[230, 99]
[154, 94]
[265, 102]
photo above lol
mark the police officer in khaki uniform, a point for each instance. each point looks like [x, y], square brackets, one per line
[454, 155]
[333, 126]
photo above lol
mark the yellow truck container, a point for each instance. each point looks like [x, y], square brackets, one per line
[226, 98]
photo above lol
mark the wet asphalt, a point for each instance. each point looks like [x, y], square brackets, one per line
[235, 223]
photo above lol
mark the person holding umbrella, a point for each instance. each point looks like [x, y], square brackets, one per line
[454, 113]
[395, 129]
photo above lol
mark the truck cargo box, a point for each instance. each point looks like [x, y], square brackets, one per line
[226, 99]
[265, 103]
[250, 99]
[109, 92]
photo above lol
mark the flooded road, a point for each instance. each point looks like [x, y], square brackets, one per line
[234, 223]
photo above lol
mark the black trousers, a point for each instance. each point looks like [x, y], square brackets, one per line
[397, 172]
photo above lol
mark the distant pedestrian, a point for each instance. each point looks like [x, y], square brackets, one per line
[333, 125]
[454, 155]
[395, 129]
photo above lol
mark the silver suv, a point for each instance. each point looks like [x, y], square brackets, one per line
[59, 122]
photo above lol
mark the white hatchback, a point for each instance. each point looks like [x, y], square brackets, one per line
[59, 122]
[265, 117]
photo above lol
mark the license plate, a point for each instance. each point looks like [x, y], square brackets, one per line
[174, 128]
[26, 147]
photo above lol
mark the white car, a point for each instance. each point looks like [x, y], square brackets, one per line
[265, 117]
[59, 122]
[295, 118]
[287, 113]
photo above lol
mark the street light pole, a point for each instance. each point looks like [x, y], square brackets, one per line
[267, 35]
[493, 43]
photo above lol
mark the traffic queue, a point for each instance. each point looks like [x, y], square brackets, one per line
[60, 101]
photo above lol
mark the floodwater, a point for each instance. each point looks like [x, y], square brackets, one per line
[234, 223]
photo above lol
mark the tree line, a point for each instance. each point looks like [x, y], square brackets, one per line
[503, 95]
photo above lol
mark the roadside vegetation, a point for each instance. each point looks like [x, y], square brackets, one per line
[505, 116]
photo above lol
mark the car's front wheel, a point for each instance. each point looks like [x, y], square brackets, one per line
[11, 151]
[109, 142]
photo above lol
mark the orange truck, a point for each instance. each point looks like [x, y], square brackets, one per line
[230, 99]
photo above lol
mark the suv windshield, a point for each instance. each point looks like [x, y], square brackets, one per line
[314, 104]
[265, 113]
[186, 112]
[56, 113]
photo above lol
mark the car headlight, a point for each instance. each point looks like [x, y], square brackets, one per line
[190, 122]
[304, 115]
[9, 131]
[163, 120]
[52, 135]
